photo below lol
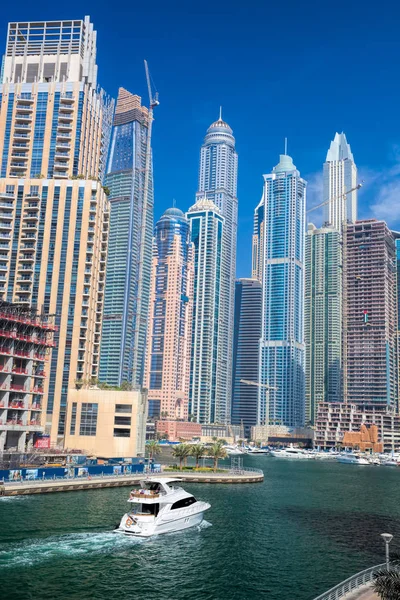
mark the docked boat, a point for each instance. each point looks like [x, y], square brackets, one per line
[348, 458]
[253, 450]
[234, 450]
[291, 452]
[159, 506]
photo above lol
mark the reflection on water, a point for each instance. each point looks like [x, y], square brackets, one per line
[307, 527]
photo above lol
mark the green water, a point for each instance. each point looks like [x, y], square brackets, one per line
[307, 527]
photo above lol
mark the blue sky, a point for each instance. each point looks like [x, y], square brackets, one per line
[298, 69]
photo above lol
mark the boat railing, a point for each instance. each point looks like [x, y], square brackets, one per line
[352, 583]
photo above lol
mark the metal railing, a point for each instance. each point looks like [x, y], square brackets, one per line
[352, 583]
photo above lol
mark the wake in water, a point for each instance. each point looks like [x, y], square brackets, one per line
[35, 551]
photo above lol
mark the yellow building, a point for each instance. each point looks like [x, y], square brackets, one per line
[55, 127]
[107, 423]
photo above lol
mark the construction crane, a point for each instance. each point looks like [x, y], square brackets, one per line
[325, 202]
[267, 389]
[147, 205]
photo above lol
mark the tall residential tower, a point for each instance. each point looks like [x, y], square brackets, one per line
[54, 130]
[208, 373]
[126, 303]
[218, 183]
[340, 175]
[281, 357]
[323, 317]
[167, 370]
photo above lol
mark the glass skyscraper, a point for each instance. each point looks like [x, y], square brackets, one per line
[130, 246]
[167, 370]
[281, 357]
[246, 340]
[323, 318]
[207, 395]
[218, 183]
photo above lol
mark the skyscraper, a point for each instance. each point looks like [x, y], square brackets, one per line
[130, 245]
[340, 175]
[282, 337]
[218, 183]
[370, 315]
[246, 341]
[54, 130]
[323, 317]
[209, 364]
[258, 242]
[167, 370]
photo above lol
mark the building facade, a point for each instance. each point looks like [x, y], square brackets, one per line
[282, 350]
[258, 242]
[209, 360]
[246, 340]
[370, 315]
[107, 423]
[218, 183]
[25, 341]
[339, 176]
[334, 419]
[54, 130]
[167, 372]
[130, 245]
[323, 317]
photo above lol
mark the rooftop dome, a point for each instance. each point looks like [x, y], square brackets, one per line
[220, 132]
[173, 212]
[204, 204]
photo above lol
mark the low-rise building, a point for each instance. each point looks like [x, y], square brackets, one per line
[334, 419]
[25, 342]
[178, 430]
[107, 423]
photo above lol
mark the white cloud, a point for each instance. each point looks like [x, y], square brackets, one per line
[387, 203]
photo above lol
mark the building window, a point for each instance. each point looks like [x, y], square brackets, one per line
[73, 419]
[88, 419]
[122, 421]
[122, 432]
[123, 408]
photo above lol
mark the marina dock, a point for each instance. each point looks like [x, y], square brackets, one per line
[22, 488]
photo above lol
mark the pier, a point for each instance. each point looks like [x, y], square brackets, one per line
[45, 486]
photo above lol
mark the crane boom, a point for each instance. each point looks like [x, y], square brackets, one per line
[357, 187]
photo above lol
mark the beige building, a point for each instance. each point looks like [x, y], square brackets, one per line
[54, 134]
[107, 423]
[167, 370]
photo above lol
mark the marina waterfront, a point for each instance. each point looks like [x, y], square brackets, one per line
[308, 526]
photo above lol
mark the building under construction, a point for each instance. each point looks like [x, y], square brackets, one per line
[370, 315]
[25, 342]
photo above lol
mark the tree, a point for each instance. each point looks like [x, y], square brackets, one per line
[182, 452]
[197, 451]
[217, 451]
[387, 584]
[153, 448]
[164, 414]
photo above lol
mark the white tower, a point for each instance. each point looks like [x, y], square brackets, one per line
[340, 175]
[218, 183]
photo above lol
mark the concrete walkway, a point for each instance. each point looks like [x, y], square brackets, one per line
[363, 593]
[70, 485]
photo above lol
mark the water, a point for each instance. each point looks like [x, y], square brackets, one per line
[306, 528]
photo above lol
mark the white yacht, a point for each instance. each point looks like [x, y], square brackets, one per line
[254, 450]
[234, 450]
[159, 506]
[348, 458]
[291, 452]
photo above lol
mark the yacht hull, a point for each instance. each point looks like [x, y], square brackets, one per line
[162, 526]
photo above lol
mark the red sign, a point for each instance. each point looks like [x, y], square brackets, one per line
[42, 442]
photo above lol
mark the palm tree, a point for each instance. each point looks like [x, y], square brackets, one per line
[197, 450]
[216, 452]
[387, 584]
[153, 448]
[182, 452]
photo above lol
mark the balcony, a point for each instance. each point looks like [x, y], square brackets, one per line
[6, 206]
[21, 135]
[22, 117]
[22, 127]
[23, 100]
[18, 166]
[63, 135]
[5, 224]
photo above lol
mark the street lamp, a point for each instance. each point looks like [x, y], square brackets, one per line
[387, 538]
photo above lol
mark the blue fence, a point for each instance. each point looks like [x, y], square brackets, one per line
[69, 472]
